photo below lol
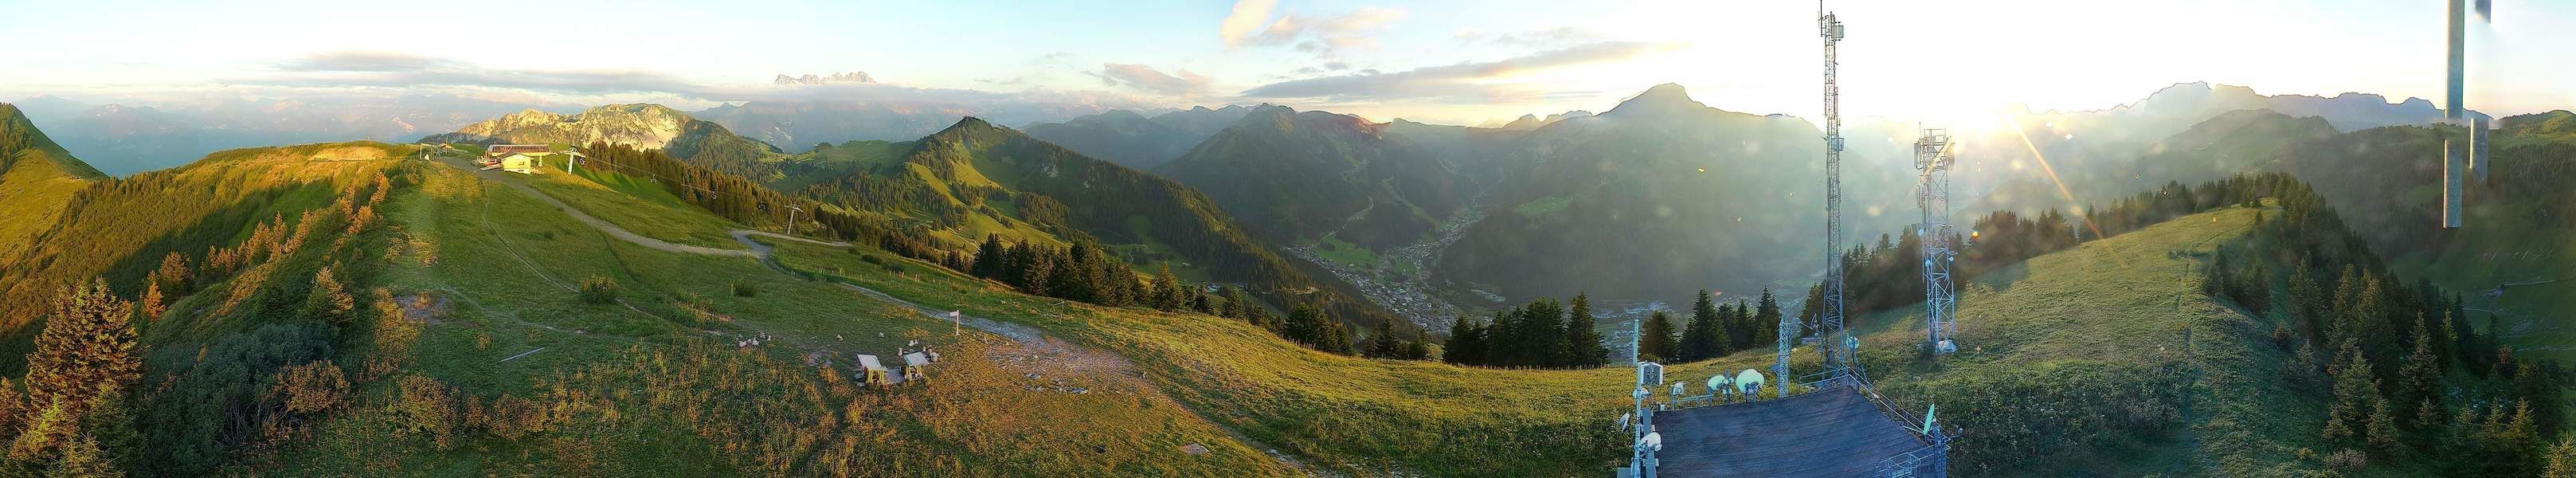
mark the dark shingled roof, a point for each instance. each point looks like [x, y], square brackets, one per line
[1833, 432]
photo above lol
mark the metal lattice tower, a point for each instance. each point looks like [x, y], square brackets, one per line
[2458, 156]
[1932, 195]
[1837, 348]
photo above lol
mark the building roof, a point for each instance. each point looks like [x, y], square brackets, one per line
[1834, 432]
[498, 150]
[915, 359]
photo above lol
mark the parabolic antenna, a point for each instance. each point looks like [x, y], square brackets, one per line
[1681, 389]
[1654, 440]
[1749, 381]
[1718, 383]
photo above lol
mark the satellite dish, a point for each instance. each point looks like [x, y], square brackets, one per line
[1717, 384]
[1653, 440]
[1749, 382]
[1681, 389]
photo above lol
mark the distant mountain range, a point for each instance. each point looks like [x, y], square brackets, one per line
[797, 125]
[645, 126]
[1131, 139]
[1300, 176]
[125, 139]
[1691, 196]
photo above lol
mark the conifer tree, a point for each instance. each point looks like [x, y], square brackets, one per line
[2354, 392]
[328, 301]
[1543, 334]
[1657, 342]
[1382, 341]
[86, 348]
[988, 258]
[151, 307]
[2383, 435]
[1582, 343]
[2420, 380]
[1766, 320]
[1699, 337]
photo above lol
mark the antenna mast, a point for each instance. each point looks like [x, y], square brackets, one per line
[1829, 321]
[1932, 194]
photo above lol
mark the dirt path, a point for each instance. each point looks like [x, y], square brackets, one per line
[1035, 350]
[497, 176]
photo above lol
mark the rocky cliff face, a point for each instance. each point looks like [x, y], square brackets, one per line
[641, 125]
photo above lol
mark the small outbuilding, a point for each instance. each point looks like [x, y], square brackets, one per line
[516, 158]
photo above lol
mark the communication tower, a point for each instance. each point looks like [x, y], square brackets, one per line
[1838, 352]
[1932, 194]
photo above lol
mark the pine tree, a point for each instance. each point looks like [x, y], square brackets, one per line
[1501, 335]
[2420, 380]
[1418, 348]
[173, 273]
[2562, 459]
[87, 347]
[1382, 341]
[2354, 392]
[151, 308]
[1699, 337]
[1766, 320]
[2307, 302]
[328, 302]
[1583, 342]
[83, 459]
[988, 258]
[2382, 433]
[1542, 335]
[1657, 342]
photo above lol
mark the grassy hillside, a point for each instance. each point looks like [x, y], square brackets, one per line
[36, 177]
[124, 231]
[975, 179]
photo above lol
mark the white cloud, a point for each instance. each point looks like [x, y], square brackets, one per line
[1456, 81]
[1149, 79]
[1322, 36]
[1246, 17]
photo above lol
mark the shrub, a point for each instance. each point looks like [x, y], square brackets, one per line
[310, 387]
[894, 267]
[744, 288]
[871, 259]
[2348, 461]
[599, 290]
[427, 405]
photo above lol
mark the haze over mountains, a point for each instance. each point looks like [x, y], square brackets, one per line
[1444, 217]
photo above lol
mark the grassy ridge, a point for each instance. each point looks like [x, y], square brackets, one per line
[642, 390]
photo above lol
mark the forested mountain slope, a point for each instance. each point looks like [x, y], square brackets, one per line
[1300, 176]
[36, 178]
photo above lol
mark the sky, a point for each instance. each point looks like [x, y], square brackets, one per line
[1455, 62]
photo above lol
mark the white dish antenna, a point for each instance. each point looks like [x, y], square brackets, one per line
[1749, 381]
[1719, 384]
[1681, 389]
[1653, 440]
